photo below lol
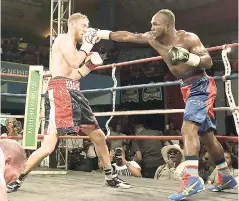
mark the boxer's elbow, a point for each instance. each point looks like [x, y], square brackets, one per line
[206, 62]
[209, 63]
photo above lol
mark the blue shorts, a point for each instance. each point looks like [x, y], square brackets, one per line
[199, 93]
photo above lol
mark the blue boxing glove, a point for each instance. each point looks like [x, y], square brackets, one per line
[179, 55]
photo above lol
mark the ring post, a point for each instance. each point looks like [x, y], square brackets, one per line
[32, 108]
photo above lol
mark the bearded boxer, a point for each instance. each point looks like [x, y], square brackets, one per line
[12, 163]
[67, 111]
[187, 59]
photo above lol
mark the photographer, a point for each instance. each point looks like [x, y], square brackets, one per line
[14, 128]
[124, 167]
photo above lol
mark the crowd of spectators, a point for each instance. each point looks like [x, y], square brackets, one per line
[156, 159]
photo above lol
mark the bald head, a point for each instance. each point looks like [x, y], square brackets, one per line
[13, 150]
[165, 15]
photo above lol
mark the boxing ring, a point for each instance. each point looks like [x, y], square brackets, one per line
[143, 189]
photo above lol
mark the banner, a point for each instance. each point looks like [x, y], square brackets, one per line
[32, 108]
[14, 69]
[152, 93]
[131, 95]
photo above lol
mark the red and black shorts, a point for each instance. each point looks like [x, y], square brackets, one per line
[67, 108]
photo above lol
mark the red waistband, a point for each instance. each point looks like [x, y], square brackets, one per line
[64, 82]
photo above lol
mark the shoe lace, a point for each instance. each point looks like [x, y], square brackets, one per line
[184, 183]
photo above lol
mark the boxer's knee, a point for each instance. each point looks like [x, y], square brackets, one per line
[97, 136]
[49, 144]
[189, 128]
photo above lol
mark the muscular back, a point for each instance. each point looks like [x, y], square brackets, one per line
[61, 63]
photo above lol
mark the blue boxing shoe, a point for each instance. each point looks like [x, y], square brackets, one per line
[191, 185]
[224, 182]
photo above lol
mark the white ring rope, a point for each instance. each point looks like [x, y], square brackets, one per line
[228, 89]
[113, 100]
[143, 112]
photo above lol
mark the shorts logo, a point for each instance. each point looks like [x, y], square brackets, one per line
[73, 85]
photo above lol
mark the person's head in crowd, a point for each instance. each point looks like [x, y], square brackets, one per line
[138, 128]
[14, 159]
[228, 158]
[11, 126]
[173, 153]
[119, 156]
[171, 126]
[118, 128]
[235, 148]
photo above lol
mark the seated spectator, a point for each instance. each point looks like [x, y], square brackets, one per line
[14, 128]
[117, 132]
[122, 166]
[213, 178]
[174, 167]
[84, 158]
[171, 130]
[150, 150]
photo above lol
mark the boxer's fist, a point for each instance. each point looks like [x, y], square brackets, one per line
[179, 55]
[90, 38]
[92, 61]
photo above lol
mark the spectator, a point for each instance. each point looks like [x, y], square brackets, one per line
[14, 128]
[83, 157]
[150, 150]
[174, 167]
[117, 132]
[171, 130]
[122, 166]
[213, 178]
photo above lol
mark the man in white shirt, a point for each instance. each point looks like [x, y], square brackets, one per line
[122, 166]
[12, 163]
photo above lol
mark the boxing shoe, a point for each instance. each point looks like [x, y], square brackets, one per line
[13, 186]
[223, 183]
[191, 185]
[116, 182]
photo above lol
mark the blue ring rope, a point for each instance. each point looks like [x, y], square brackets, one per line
[151, 85]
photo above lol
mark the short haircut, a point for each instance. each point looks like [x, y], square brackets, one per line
[169, 14]
[77, 16]
[13, 149]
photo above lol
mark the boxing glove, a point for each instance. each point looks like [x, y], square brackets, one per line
[90, 38]
[104, 34]
[92, 61]
[179, 55]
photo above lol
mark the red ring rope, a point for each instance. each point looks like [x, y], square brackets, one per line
[223, 138]
[210, 49]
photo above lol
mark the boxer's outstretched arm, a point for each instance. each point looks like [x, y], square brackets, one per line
[73, 57]
[198, 48]
[124, 36]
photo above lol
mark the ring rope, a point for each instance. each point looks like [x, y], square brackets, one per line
[129, 137]
[150, 85]
[113, 100]
[130, 62]
[140, 112]
[228, 89]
